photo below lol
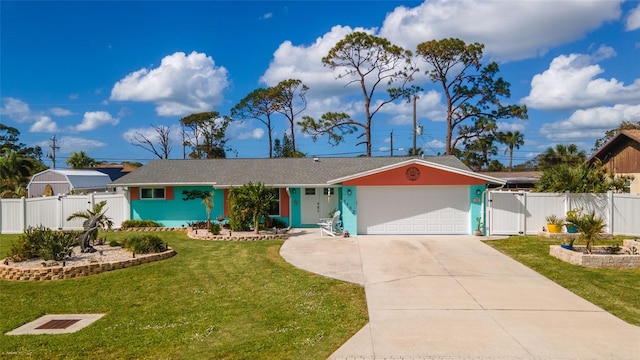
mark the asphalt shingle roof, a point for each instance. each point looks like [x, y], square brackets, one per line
[271, 172]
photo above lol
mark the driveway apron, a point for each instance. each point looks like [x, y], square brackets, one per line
[453, 297]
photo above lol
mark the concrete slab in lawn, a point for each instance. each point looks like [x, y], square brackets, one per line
[56, 324]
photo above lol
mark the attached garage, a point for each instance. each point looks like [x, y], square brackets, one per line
[413, 210]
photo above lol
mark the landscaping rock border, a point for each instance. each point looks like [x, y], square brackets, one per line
[235, 236]
[599, 261]
[8, 272]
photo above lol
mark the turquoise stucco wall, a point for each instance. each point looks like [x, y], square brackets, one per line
[177, 212]
[348, 208]
[476, 208]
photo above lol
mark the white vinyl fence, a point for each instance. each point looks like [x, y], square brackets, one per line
[517, 213]
[52, 211]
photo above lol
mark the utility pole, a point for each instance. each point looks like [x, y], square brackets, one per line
[391, 143]
[415, 125]
[52, 155]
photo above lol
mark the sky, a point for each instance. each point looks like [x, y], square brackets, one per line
[93, 74]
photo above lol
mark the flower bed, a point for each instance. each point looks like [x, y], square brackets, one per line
[227, 235]
[600, 258]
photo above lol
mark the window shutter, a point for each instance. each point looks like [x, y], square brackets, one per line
[168, 193]
[133, 193]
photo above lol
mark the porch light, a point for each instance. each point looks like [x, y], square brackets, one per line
[349, 192]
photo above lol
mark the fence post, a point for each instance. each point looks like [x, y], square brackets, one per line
[60, 213]
[23, 212]
[610, 211]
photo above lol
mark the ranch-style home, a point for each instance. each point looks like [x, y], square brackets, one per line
[377, 195]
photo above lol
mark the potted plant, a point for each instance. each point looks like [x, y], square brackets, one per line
[478, 231]
[572, 216]
[554, 224]
[568, 243]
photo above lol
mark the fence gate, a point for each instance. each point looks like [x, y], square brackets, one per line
[506, 213]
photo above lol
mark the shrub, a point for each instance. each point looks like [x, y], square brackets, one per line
[56, 245]
[114, 243]
[43, 242]
[144, 244]
[215, 228]
[278, 224]
[139, 223]
[198, 224]
[589, 225]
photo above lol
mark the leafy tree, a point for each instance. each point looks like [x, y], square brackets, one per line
[207, 201]
[285, 148]
[415, 151]
[513, 139]
[484, 147]
[207, 137]
[561, 154]
[580, 178]
[251, 201]
[473, 94]
[625, 125]
[291, 96]
[159, 145]
[261, 104]
[370, 62]
[80, 160]
[14, 174]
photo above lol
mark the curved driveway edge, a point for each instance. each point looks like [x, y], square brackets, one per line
[453, 297]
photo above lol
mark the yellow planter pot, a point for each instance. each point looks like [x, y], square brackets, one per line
[554, 229]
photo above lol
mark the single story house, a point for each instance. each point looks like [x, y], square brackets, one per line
[621, 155]
[67, 181]
[375, 195]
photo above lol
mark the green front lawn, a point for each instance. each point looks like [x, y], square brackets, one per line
[229, 300]
[617, 291]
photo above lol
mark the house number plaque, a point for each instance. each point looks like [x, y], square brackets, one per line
[412, 173]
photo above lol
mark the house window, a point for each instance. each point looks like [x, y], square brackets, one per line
[627, 186]
[275, 207]
[152, 193]
[328, 191]
[309, 191]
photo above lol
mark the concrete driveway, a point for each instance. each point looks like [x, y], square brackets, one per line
[453, 297]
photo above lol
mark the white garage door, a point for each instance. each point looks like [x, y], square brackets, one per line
[413, 210]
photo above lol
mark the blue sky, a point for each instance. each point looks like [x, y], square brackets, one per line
[94, 73]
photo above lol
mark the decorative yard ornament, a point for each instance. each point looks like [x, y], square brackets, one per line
[91, 226]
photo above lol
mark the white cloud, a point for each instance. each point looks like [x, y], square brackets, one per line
[69, 144]
[256, 133]
[571, 82]
[244, 130]
[73, 96]
[305, 63]
[510, 30]
[44, 124]
[182, 84]
[95, 119]
[511, 126]
[591, 123]
[16, 109]
[633, 20]
[60, 111]
[267, 16]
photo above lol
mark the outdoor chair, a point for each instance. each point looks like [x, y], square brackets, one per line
[331, 225]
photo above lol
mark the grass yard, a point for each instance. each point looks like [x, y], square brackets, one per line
[223, 300]
[616, 291]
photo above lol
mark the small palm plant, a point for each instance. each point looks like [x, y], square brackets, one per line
[589, 225]
[253, 201]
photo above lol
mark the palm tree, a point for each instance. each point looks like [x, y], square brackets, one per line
[80, 160]
[14, 173]
[255, 201]
[513, 139]
[562, 154]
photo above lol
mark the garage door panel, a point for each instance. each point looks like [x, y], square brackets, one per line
[413, 210]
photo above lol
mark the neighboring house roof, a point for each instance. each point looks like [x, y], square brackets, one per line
[516, 177]
[278, 171]
[114, 171]
[603, 153]
[78, 179]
